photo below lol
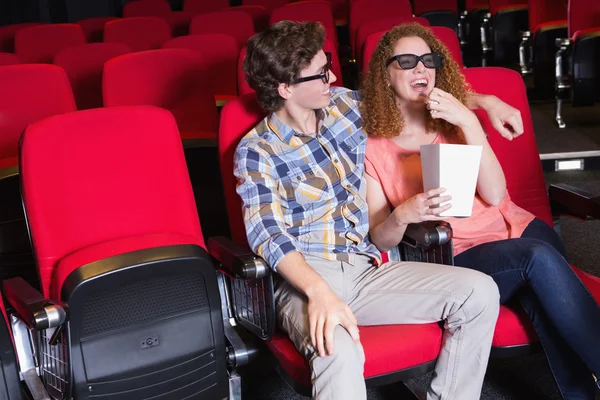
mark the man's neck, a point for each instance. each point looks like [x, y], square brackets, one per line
[301, 120]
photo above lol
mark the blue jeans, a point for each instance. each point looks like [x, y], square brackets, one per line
[534, 270]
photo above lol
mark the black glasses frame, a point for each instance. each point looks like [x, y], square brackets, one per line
[323, 76]
[437, 60]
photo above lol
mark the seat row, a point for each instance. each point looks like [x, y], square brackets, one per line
[135, 303]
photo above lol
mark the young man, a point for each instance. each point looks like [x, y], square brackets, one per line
[300, 174]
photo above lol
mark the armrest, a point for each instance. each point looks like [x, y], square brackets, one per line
[237, 260]
[570, 200]
[35, 310]
[525, 53]
[561, 79]
[425, 234]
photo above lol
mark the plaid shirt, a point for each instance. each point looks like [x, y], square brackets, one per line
[307, 193]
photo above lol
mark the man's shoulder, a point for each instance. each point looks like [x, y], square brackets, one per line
[344, 94]
[255, 138]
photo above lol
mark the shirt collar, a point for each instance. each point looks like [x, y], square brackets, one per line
[285, 133]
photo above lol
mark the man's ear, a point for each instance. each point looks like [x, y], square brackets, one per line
[284, 91]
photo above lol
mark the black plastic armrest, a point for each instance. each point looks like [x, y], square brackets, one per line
[426, 234]
[33, 308]
[237, 260]
[570, 200]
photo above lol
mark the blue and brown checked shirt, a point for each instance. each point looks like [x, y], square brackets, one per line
[307, 193]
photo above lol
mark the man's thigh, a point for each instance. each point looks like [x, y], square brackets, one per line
[414, 293]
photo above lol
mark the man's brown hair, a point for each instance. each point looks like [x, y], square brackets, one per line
[278, 55]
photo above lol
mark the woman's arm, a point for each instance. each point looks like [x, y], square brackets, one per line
[386, 227]
[491, 183]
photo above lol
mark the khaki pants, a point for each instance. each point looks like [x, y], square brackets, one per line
[398, 293]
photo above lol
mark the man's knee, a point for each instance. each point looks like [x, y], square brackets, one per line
[484, 297]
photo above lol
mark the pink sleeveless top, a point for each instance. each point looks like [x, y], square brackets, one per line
[399, 172]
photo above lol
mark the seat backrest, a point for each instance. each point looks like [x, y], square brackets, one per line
[244, 87]
[139, 33]
[259, 15]
[450, 39]
[203, 6]
[220, 56]
[380, 25]
[471, 5]
[234, 23]
[8, 59]
[146, 8]
[39, 44]
[268, 4]
[495, 5]
[103, 174]
[446, 35]
[238, 117]
[542, 11]
[7, 35]
[423, 6]
[308, 11]
[583, 15]
[93, 28]
[167, 78]
[363, 11]
[30, 93]
[520, 157]
[83, 65]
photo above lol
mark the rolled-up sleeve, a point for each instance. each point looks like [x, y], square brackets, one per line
[261, 206]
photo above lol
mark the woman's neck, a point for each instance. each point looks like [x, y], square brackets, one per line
[300, 120]
[414, 119]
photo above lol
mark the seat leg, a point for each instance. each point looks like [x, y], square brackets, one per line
[235, 386]
[559, 119]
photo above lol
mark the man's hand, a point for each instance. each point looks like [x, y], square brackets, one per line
[326, 311]
[504, 118]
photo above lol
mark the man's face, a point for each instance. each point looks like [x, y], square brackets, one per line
[313, 94]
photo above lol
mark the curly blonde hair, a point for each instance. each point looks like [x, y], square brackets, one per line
[380, 114]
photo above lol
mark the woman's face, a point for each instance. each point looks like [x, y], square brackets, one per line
[411, 85]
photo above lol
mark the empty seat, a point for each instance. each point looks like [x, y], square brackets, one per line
[219, 55]
[29, 93]
[140, 33]
[308, 11]
[167, 78]
[39, 44]
[268, 4]
[178, 21]
[234, 23]
[124, 254]
[259, 15]
[362, 11]
[93, 28]
[438, 12]
[7, 35]
[202, 6]
[8, 59]
[83, 65]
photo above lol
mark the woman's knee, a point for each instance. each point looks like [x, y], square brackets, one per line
[542, 257]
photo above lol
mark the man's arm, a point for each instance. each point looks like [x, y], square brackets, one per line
[504, 118]
[267, 236]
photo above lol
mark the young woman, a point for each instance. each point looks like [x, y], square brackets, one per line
[414, 94]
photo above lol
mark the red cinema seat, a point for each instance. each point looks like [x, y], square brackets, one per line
[194, 7]
[7, 35]
[93, 28]
[39, 44]
[29, 93]
[8, 59]
[260, 15]
[84, 65]
[167, 78]
[118, 244]
[179, 21]
[139, 33]
[234, 23]
[220, 56]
